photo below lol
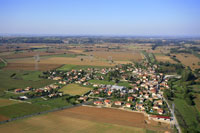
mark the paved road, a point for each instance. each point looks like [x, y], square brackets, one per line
[174, 116]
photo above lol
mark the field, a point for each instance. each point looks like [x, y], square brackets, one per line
[187, 114]
[189, 60]
[101, 82]
[20, 81]
[84, 119]
[21, 109]
[6, 102]
[118, 56]
[74, 89]
[80, 60]
[163, 58]
[76, 67]
[31, 66]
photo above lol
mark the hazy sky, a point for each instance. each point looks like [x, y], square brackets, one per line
[110, 17]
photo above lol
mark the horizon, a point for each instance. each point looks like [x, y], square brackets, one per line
[100, 18]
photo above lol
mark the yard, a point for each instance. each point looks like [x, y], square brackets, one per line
[74, 89]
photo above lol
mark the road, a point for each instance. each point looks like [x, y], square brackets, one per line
[174, 116]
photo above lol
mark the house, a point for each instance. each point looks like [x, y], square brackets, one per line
[159, 117]
[83, 98]
[160, 111]
[18, 90]
[28, 88]
[128, 105]
[118, 103]
[98, 103]
[109, 93]
[130, 99]
[107, 102]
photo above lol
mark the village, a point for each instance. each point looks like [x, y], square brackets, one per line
[143, 91]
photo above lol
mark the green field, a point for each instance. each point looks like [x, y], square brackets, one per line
[51, 103]
[74, 89]
[21, 109]
[68, 67]
[6, 102]
[8, 81]
[101, 82]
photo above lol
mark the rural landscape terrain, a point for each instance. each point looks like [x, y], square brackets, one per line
[99, 84]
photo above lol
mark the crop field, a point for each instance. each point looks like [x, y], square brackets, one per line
[80, 60]
[163, 58]
[76, 67]
[189, 60]
[74, 89]
[83, 119]
[31, 66]
[118, 56]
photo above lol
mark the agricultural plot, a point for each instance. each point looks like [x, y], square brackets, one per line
[74, 89]
[76, 67]
[80, 60]
[83, 119]
[163, 58]
[189, 60]
[31, 66]
[118, 56]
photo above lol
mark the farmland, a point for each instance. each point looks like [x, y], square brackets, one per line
[83, 119]
[74, 89]
[20, 81]
[163, 58]
[189, 60]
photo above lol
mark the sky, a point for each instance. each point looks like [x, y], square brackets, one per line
[101, 17]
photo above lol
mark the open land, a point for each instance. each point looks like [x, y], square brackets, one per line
[83, 119]
[74, 89]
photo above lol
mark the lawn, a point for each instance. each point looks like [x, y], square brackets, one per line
[9, 82]
[74, 89]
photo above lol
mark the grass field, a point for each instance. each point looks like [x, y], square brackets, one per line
[7, 82]
[188, 113]
[74, 89]
[101, 82]
[83, 120]
[21, 109]
[6, 102]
